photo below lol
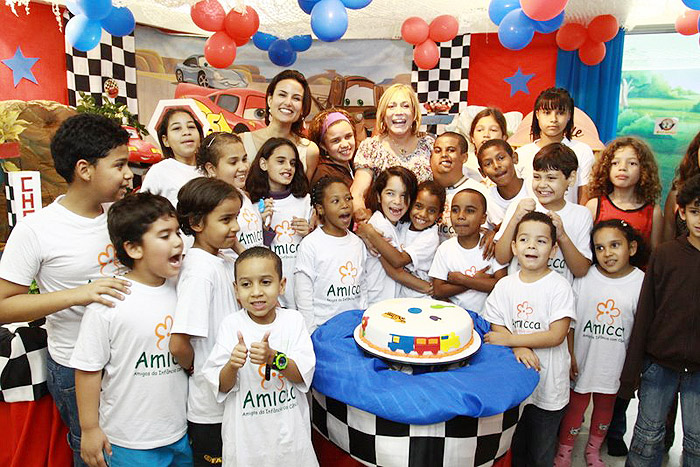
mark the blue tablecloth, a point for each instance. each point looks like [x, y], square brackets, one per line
[490, 384]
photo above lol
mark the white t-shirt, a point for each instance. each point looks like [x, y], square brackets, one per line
[452, 257]
[379, 285]
[445, 225]
[286, 240]
[266, 423]
[526, 308]
[336, 267]
[421, 247]
[584, 154]
[205, 297]
[605, 311]
[61, 250]
[578, 224]
[250, 222]
[143, 400]
[167, 177]
[500, 205]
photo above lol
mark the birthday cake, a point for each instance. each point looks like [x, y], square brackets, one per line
[411, 329]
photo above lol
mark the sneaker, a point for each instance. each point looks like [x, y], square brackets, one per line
[617, 447]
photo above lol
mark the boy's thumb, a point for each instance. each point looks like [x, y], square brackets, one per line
[266, 336]
[240, 338]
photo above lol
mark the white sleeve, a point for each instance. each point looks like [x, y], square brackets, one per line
[582, 237]
[302, 352]
[151, 181]
[21, 259]
[309, 210]
[585, 164]
[193, 303]
[303, 297]
[494, 307]
[576, 289]
[92, 348]
[423, 248]
[439, 269]
[219, 356]
[506, 219]
[562, 301]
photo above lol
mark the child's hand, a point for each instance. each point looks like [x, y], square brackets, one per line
[524, 206]
[482, 274]
[362, 215]
[93, 441]
[364, 231]
[527, 357]
[301, 226]
[239, 354]
[427, 288]
[573, 372]
[488, 244]
[497, 338]
[94, 291]
[556, 220]
[266, 214]
[260, 352]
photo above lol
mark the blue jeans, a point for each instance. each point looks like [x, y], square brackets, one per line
[658, 388]
[535, 438]
[61, 383]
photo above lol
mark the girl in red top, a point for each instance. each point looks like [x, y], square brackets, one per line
[625, 185]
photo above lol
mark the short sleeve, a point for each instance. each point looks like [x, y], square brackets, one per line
[585, 164]
[219, 356]
[562, 300]
[306, 257]
[193, 302]
[151, 181]
[366, 155]
[439, 269]
[302, 350]
[495, 306]
[422, 249]
[506, 219]
[582, 237]
[92, 349]
[21, 259]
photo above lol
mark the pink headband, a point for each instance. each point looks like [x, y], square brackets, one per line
[331, 118]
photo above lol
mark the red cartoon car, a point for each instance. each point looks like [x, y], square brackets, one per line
[140, 151]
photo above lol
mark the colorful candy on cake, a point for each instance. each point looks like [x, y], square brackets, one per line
[411, 329]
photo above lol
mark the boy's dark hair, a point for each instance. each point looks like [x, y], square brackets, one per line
[553, 99]
[537, 216]
[690, 192]
[298, 126]
[407, 177]
[162, 129]
[211, 148]
[641, 257]
[84, 136]
[435, 189]
[258, 185]
[490, 112]
[319, 188]
[556, 156]
[259, 252]
[131, 217]
[199, 197]
[463, 145]
[688, 165]
[474, 192]
[494, 143]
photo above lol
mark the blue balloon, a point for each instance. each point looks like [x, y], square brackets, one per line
[120, 22]
[498, 9]
[329, 20]
[516, 30]
[692, 4]
[301, 43]
[281, 53]
[83, 33]
[356, 4]
[545, 27]
[307, 5]
[73, 7]
[263, 40]
[95, 9]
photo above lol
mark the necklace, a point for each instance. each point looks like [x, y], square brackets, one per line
[396, 147]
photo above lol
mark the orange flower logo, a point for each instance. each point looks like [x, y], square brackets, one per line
[607, 312]
[471, 272]
[285, 228]
[279, 384]
[250, 219]
[347, 271]
[524, 310]
[106, 258]
[163, 331]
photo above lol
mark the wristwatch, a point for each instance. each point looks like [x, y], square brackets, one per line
[279, 361]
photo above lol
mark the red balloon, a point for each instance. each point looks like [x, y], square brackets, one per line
[592, 53]
[542, 10]
[241, 40]
[687, 23]
[571, 36]
[603, 28]
[415, 30]
[426, 55]
[242, 25]
[208, 15]
[444, 28]
[220, 50]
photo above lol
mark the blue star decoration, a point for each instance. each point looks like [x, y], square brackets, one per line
[518, 82]
[21, 67]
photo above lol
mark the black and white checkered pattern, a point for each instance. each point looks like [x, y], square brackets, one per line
[114, 57]
[449, 79]
[23, 354]
[374, 441]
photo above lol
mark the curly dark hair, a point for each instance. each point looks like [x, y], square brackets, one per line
[298, 126]
[258, 185]
[407, 177]
[437, 190]
[690, 192]
[641, 257]
[689, 164]
[199, 197]
[648, 189]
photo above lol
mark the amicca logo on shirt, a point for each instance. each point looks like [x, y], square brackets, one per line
[346, 288]
[471, 272]
[161, 362]
[107, 257]
[272, 396]
[348, 273]
[524, 310]
[607, 312]
[251, 220]
[163, 332]
[604, 326]
[523, 322]
[284, 230]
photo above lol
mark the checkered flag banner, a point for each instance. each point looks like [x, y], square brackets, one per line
[23, 356]
[449, 79]
[374, 441]
[114, 58]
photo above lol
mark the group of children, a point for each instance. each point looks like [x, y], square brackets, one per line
[259, 244]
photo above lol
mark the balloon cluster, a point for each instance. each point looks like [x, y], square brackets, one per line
[687, 23]
[84, 30]
[417, 32]
[329, 19]
[518, 20]
[282, 52]
[589, 41]
[230, 30]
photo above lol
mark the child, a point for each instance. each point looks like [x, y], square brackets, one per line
[329, 274]
[554, 172]
[66, 248]
[674, 225]
[389, 197]
[663, 347]
[266, 418]
[459, 271]
[131, 393]
[207, 209]
[222, 156]
[488, 124]
[335, 136]
[530, 311]
[625, 185]
[606, 300]
[179, 134]
[497, 163]
[276, 176]
[553, 122]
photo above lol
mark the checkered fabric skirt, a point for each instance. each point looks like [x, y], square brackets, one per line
[23, 354]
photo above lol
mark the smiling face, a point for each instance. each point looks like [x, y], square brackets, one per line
[182, 136]
[339, 142]
[425, 210]
[399, 114]
[447, 157]
[286, 101]
[467, 214]
[552, 122]
[257, 288]
[550, 187]
[496, 164]
[393, 199]
[613, 251]
[110, 176]
[336, 209]
[280, 167]
[232, 166]
[218, 229]
[533, 246]
[157, 256]
[625, 169]
[486, 128]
